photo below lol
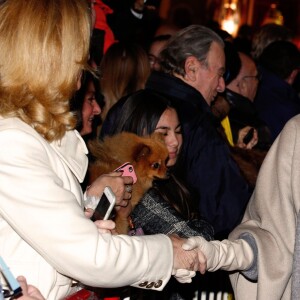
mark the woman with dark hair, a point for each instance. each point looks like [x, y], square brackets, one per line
[168, 207]
[86, 104]
[143, 113]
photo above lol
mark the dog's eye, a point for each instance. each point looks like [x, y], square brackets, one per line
[156, 165]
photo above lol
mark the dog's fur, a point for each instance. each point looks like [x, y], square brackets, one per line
[148, 155]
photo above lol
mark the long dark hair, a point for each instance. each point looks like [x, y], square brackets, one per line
[141, 112]
[78, 100]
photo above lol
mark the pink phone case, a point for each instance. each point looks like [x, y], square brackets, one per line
[128, 170]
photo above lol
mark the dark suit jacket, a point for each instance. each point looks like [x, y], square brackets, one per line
[276, 102]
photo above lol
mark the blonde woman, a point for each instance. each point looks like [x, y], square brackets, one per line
[44, 233]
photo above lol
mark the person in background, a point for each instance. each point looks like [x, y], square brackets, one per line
[243, 39]
[102, 35]
[168, 207]
[193, 65]
[86, 105]
[44, 233]
[135, 21]
[144, 113]
[267, 34]
[276, 100]
[236, 102]
[263, 252]
[124, 69]
[156, 46]
[238, 116]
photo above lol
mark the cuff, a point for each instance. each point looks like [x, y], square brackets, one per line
[90, 201]
[160, 253]
[252, 272]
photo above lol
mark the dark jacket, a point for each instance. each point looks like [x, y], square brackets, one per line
[128, 28]
[276, 102]
[207, 164]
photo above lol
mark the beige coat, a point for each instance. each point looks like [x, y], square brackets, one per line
[271, 219]
[43, 230]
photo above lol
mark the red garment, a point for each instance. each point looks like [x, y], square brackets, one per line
[102, 10]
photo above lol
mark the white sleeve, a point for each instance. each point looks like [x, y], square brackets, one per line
[38, 204]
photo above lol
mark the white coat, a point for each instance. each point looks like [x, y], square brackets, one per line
[44, 234]
[271, 219]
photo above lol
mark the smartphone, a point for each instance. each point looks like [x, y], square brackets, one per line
[105, 205]
[127, 170]
[10, 279]
[249, 136]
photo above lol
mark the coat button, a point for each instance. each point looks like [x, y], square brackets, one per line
[158, 284]
[143, 284]
[150, 285]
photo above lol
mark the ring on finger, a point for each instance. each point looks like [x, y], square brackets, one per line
[128, 188]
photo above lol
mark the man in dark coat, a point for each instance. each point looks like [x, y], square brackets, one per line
[276, 100]
[194, 64]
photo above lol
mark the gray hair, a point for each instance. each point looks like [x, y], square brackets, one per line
[194, 40]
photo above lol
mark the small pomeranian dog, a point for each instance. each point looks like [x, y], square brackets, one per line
[148, 156]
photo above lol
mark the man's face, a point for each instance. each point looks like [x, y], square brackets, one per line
[247, 80]
[248, 74]
[210, 80]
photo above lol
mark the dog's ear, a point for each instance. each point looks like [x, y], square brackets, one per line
[141, 151]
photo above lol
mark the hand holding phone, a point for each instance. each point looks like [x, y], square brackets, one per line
[105, 205]
[249, 136]
[127, 170]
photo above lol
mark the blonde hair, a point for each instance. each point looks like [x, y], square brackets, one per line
[44, 48]
[124, 69]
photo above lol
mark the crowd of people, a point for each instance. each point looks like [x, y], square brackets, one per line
[226, 110]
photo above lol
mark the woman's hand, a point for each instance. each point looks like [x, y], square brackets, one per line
[106, 226]
[241, 135]
[123, 212]
[120, 185]
[29, 292]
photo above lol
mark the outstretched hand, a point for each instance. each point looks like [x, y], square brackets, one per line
[202, 247]
[226, 255]
[189, 259]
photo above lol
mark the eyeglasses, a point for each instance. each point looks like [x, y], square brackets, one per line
[153, 59]
[257, 77]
